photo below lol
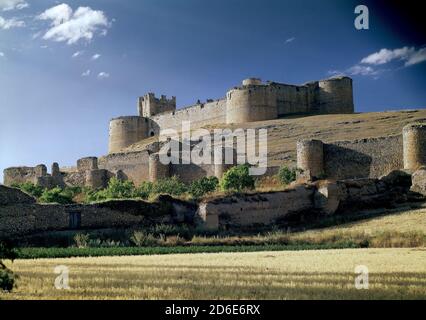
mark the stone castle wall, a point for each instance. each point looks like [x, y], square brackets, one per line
[253, 101]
[20, 215]
[365, 158]
[200, 115]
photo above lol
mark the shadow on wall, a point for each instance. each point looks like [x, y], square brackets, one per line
[345, 163]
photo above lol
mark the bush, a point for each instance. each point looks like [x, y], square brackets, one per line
[30, 188]
[116, 189]
[203, 186]
[142, 239]
[7, 278]
[56, 195]
[237, 179]
[286, 175]
[145, 190]
[171, 186]
[71, 192]
[81, 240]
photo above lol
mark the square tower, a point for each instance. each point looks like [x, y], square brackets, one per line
[149, 105]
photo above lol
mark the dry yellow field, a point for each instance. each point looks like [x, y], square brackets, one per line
[328, 274]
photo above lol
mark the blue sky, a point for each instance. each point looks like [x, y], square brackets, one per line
[52, 108]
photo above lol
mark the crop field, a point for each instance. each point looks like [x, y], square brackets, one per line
[313, 274]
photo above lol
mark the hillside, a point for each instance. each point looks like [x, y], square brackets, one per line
[284, 133]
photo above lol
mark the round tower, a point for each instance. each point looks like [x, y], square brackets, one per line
[336, 95]
[125, 131]
[252, 82]
[414, 141]
[251, 102]
[157, 170]
[310, 157]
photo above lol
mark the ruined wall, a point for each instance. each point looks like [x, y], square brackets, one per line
[364, 158]
[260, 208]
[304, 202]
[134, 165]
[18, 175]
[19, 215]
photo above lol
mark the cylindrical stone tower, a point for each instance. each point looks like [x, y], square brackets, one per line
[310, 157]
[125, 131]
[414, 141]
[336, 95]
[157, 170]
[251, 102]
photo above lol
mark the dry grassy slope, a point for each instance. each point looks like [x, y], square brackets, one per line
[284, 133]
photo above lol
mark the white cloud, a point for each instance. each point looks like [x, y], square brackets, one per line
[58, 14]
[103, 75]
[69, 26]
[290, 40]
[10, 23]
[361, 70]
[7, 5]
[96, 56]
[86, 73]
[77, 54]
[410, 56]
[2, 54]
[417, 57]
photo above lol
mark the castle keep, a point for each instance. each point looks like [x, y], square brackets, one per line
[252, 101]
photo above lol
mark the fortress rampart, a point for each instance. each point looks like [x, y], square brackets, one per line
[252, 101]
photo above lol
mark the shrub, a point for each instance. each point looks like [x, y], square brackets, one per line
[30, 188]
[237, 179]
[286, 175]
[7, 278]
[118, 189]
[142, 239]
[203, 186]
[81, 240]
[171, 186]
[174, 241]
[71, 192]
[55, 195]
[145, 190]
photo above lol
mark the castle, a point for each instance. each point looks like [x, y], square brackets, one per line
[252, 101]
[362, 172]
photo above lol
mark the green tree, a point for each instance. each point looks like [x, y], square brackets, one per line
[237, 179]
[171, 186]
[286, 175]
[56, 195]
[7, 278]
[199, 188]
[30, 188]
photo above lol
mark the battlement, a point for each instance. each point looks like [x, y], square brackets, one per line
[149, 105]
